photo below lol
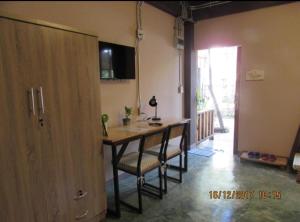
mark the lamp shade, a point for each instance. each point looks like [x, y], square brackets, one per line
[153, 102]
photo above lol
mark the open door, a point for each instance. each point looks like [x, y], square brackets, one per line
[217, 97]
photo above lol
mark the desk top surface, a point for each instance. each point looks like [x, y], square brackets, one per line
[120, 134]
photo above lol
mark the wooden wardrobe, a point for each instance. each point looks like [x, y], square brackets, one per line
[51, 159]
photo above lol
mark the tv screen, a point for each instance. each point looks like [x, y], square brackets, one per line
[116, 61]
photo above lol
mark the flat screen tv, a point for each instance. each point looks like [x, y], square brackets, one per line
[116, 61]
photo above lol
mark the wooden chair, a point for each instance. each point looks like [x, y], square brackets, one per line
[140, 163]
[172, 150]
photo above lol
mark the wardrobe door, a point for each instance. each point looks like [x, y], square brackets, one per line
[21, 166]
[58, 105]
[70, 125]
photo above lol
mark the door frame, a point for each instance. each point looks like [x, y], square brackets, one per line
[237, 100]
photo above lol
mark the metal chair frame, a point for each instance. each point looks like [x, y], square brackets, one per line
[142, 186]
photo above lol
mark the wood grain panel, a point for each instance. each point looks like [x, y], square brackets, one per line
[117, 135]
[72, 121]
[21, 166]
[44, 23]
[176, 131]
[90, 129]
[46, 159]
[56, 132]
[153, 140]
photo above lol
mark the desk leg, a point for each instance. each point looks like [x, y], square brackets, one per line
[116, 156]
[116, 181]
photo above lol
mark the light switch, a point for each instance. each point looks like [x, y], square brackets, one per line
[255, 75]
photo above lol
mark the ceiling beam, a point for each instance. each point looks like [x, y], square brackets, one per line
[170, 7]
[211, 9]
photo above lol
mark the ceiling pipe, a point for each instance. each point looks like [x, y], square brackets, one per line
[184, 13]
[208, 5]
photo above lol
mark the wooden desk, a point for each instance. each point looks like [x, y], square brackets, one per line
[122, 136]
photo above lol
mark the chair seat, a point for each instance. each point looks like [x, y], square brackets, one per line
[296, 163]
[129, 162]
[172, 151]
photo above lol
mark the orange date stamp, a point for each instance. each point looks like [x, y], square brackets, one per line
[244, 195]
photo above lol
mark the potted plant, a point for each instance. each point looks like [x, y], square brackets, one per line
[104, 119]
[128, 112]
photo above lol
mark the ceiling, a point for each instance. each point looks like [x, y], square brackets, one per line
[200, 10]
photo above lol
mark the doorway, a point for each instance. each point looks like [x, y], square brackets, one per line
[216, 97]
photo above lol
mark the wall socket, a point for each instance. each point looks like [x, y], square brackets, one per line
[180, 89]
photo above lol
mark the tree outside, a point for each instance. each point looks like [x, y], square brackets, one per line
[216, 82]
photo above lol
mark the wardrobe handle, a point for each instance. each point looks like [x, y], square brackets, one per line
[41, 100]
[31, 98]
[80, 195]
[82, 215]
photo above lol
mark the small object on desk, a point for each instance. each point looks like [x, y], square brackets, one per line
[155, 124]
[156, 119]
[141, 117]
[104, 119]
[128, 112]
[153, 103]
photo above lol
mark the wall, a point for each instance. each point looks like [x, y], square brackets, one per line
[116, 22]
[269, 37]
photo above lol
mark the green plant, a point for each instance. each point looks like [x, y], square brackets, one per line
[200, 100]
[104, 118]
[128, 112]
[198, 96]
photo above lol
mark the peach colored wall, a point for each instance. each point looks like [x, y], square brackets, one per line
[270, 41]
[115, 22]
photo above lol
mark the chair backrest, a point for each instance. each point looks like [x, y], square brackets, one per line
[174, 131]
[152, 139]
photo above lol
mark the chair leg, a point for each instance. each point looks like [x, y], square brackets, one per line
[139, 188]
[139, 209]
[180, 168]
[160, 182]
[165, 178]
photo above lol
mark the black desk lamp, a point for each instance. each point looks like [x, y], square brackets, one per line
[153, 103]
